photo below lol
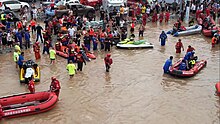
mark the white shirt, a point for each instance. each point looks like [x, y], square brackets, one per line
[71, 31]
[148, 11]
[9, 37]
[193, 7]
[29, 72]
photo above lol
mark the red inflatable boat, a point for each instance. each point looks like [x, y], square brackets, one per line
[217, 86]
[90, 55]
[193, 71]
[63, 51]
[210, 32]
[27, 104]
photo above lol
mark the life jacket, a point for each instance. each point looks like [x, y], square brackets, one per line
[19, 25]
[80, 58]
[178, 45]
[192, 62]
[55, 85]
[31, 86]
[72, 52]
[214, 39]
[91, 32]
[102, 35]
[33, 23]
[132, 25]
[3, 17]
[108, 60]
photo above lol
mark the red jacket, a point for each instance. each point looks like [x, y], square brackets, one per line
[108, 60]
[55, 85]
[31, 86]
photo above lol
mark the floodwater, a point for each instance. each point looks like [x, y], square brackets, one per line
[135, 91]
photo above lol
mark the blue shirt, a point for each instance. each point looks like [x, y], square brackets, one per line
[8, 25]
[167, 65]
[188, 55]
[19, 36]
[27, 36]
[163, 36]
[94, 40]
[20, 59]
[182, 66]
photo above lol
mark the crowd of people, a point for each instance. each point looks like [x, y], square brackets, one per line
[72, 29]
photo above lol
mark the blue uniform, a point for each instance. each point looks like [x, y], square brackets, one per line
[182, 66]
[188, 55]
[94, 41]
[20, 60]
[163, 38]
[19, 37]
[167, 65]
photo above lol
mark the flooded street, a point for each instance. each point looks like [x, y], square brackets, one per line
[134, 92]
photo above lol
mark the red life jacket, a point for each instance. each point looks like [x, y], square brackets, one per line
[55, 85]
[132, 25]
[108, 60]
[31, 86]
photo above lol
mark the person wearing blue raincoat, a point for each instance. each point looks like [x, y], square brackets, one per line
[163, 38]
[167, 65]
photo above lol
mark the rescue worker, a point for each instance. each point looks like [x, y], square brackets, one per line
[55, 86]
[91, 32]
[187, 58]
[107, 44]
[214, 40]
[21, 60]
[52, 55]
[31, 86]
[108, 61]
[58, 46]
[19, 38]
[71, 68]
[192, 62]
[102, 38]
[167, 16]
[27, 39]
[94, 42]
[183, 66]
[132, 27]
[190, 49]
[36, 48]
[46, 47]
[80, 60]
[71, 54]
[163, 38]
[3, 19]
[29, 74]
[178, 46]
[167, 65]
[161, 16]
[15, 57]
[87, 41]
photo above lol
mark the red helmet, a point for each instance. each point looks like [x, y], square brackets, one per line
[108, 55]
[53, 78]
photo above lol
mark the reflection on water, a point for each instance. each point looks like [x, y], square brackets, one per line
[135, 91]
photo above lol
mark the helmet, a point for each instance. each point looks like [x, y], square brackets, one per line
[108, 55]
[53, 78]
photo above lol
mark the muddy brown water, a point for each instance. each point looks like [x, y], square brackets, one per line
[134, 92]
